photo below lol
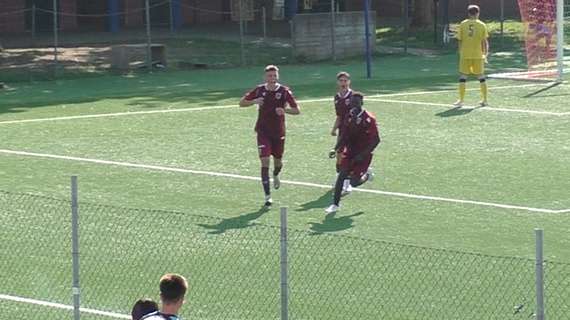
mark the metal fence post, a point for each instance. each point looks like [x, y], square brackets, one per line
[241, 32]
[540, 313]
[148, 37]
[55, 35]
[264, 23]
[367, 38]
[171, 8]
[75, 249]
[406, 24]
[560, 15]
[34, 22]
[333, 32]
[502, 23]
[284, 267]
[292, 31]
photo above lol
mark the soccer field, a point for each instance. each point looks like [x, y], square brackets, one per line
[176, 147]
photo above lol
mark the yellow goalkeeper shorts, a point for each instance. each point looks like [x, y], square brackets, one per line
[472, 66]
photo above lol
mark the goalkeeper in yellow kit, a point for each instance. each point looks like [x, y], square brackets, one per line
[472, 38]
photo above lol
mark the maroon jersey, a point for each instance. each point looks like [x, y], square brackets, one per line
[359, 132]
[268, 122]
[342, 104]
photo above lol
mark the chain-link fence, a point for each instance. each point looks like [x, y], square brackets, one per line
[35, 248]
[83, 38]
[51, 39]
[233, 266]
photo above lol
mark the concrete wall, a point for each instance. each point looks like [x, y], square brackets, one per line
[312, 34]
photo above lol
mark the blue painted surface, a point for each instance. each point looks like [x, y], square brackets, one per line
[291, 8]
[114, 18]
[177, 14]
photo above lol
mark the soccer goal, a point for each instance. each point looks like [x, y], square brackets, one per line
[544, 24]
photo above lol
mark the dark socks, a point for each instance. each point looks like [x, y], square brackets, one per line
[277, 170]
[338, 187]
[359, 181]
[265, 180]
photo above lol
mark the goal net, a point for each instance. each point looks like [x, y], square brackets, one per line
[544, 23]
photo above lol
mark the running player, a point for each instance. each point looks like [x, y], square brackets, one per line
[274, 101]
[342, 106]
[359, 138]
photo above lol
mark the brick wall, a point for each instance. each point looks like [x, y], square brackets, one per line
[134, 17]
[208, 17]
[491, 9]
[15, 23]
[66, 21]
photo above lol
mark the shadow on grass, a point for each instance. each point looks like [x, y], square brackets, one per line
[454, 112]
[319, 203]
[333, 224]
[239, 222]
[183, 89]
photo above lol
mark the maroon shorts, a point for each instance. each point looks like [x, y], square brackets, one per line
[270, 146]
[356, 170]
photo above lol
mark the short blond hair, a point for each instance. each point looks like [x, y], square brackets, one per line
[473, 9]
[271, 67]
[343, 74]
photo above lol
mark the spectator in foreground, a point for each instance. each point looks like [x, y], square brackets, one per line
[173, 288]
[143, 307]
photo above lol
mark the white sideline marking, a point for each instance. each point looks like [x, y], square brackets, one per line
[452, 90]
[118, 114]
[62, 306]
[549, 113]
[306, 184]
[133, 113]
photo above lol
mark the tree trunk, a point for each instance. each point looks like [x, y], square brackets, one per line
[423, 13]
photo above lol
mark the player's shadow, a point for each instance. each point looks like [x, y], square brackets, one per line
[239, 222]
[454, 112]
[333, 224]
[319, 203]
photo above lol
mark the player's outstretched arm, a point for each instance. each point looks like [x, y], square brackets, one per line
[293, 111]
[244, 102]
[292, 107]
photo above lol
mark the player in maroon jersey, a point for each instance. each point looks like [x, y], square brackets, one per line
[359, 138]
[274, 101]
[342, 106]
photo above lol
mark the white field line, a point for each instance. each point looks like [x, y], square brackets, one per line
[305, 184]
[62, 306]
[117, 114]
[452, 90]
[549, 113]
[134, 113]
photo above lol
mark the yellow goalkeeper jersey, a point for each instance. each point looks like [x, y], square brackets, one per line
[471, 33]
